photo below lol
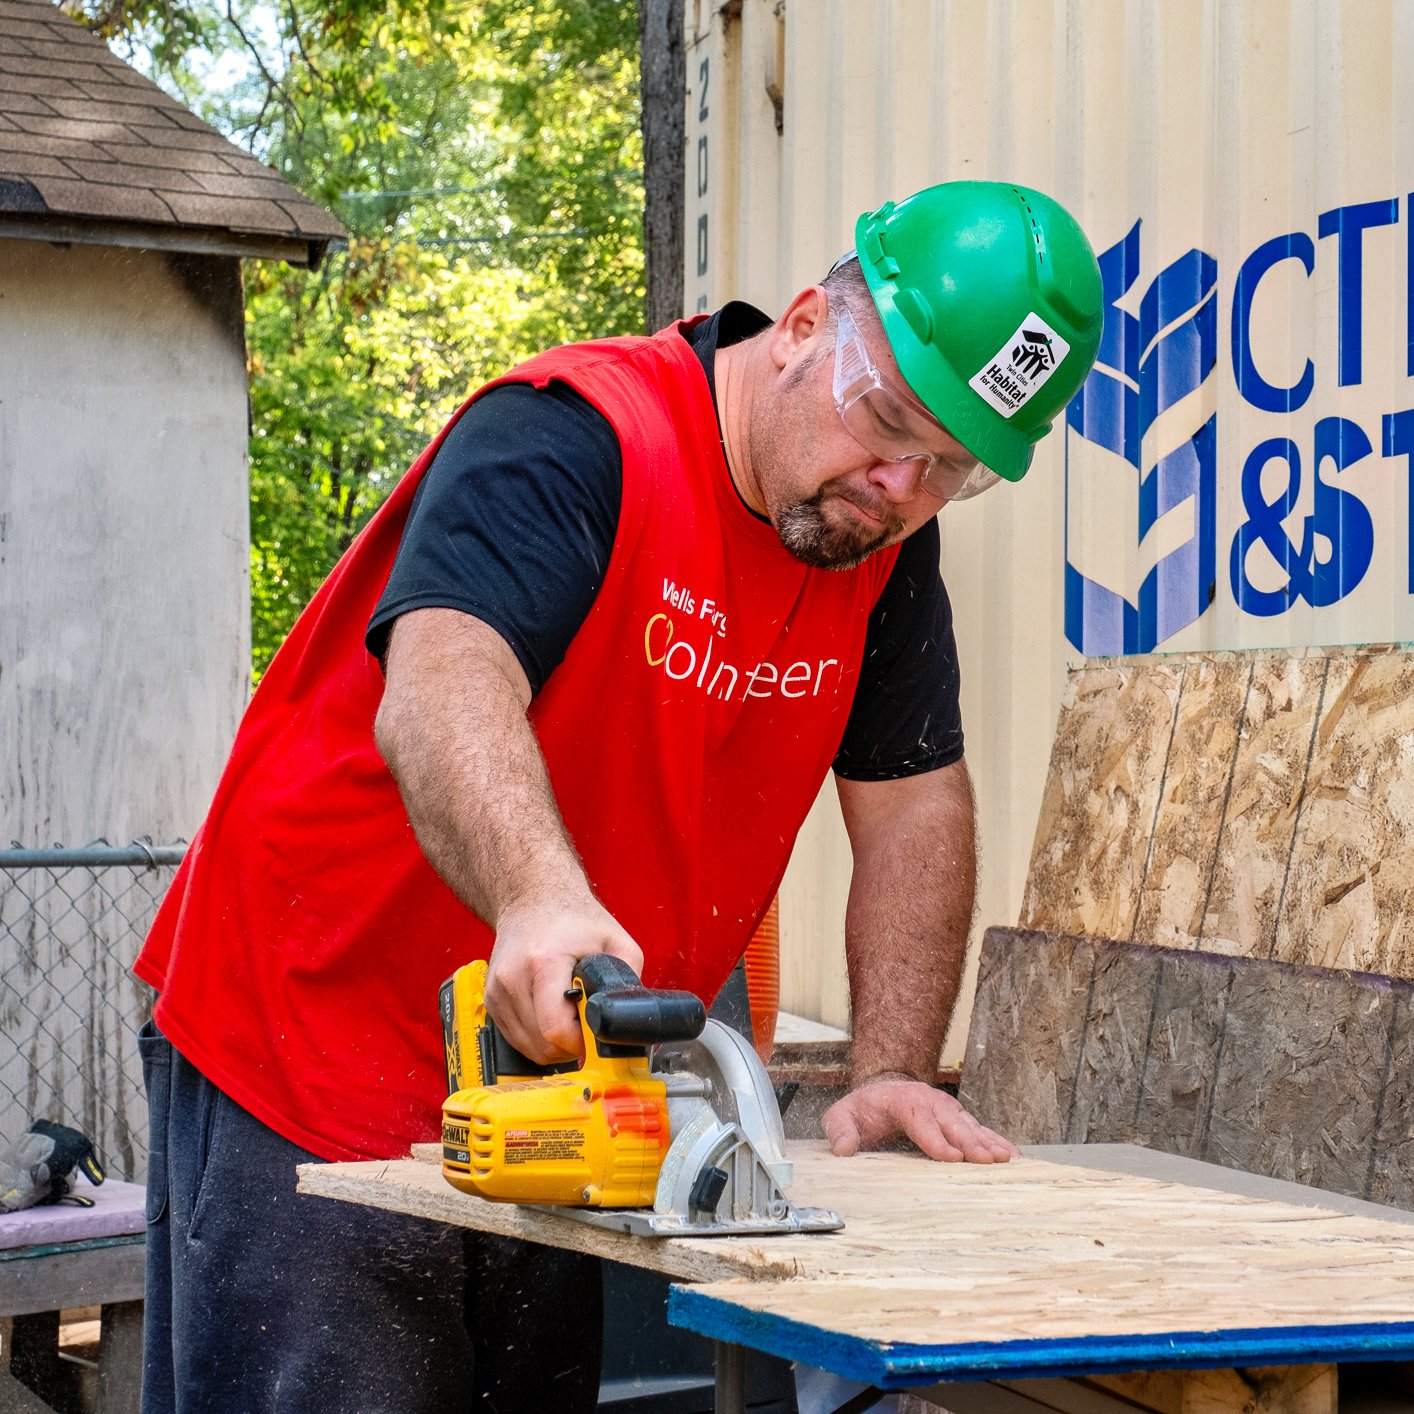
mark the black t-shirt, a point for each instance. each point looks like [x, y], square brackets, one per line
[514, 520]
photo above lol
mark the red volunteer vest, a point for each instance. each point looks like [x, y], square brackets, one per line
[687, 731]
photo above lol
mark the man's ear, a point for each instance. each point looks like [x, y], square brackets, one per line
[796, 333]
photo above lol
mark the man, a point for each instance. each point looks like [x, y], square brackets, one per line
[573, 690]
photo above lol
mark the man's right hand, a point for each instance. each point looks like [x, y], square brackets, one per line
[532, 965]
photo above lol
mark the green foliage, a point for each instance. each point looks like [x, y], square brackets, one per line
[485, 158]
[352, 372]
[566, 77]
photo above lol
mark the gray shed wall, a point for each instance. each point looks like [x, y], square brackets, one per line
[124, 539]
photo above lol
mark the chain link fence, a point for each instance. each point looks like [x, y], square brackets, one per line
[71, 923]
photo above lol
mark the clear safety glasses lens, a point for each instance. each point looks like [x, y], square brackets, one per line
[894, 426]
[961, 483]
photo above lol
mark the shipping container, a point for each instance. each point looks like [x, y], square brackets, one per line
[1237, 471]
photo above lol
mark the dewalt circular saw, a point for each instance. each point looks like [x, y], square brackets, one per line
[670, 1127]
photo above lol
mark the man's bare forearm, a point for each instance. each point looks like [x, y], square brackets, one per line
[910, 909]
[453, 730]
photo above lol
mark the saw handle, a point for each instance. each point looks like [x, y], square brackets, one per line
[620, 1011]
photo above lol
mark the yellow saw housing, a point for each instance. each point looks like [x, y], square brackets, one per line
[593, 1137]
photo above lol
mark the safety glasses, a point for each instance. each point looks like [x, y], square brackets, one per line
[891, 424]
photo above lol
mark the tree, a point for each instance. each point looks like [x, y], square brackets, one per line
[486, 160]
[664, 80]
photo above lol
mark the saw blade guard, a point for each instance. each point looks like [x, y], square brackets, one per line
[723, 1116]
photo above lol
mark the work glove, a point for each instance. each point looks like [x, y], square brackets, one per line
[39, 1167]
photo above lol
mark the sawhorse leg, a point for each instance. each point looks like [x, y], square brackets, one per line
[39, 1380]
[730, 1396]
[35, 1364]
[120, 1358]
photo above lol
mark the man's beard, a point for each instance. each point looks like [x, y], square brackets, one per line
[814, 540]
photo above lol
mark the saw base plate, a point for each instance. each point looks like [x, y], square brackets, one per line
[644, 1222]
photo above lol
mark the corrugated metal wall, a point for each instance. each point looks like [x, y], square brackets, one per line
[1237, 472]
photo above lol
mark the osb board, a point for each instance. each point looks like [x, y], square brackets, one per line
[1392, 1169]
[1252, 804]
[1023, 1042]
[1300, 1073]
[1197, 777]
[1259, 824]
[1102, 790]
[1180, 1060]
[1115, 1042]
[946, 1253]
[1348, 898]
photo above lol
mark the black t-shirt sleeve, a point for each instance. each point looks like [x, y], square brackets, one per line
[512, 523]
[905, 719]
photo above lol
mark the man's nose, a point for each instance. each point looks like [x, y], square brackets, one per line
[899, 481]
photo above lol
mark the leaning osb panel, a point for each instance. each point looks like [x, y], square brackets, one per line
[1298, 1089]
[1392, 1166]
[1351, 882]
[1196, 781]
[1299, 1073]
[1107, 767]
[1024, 1041]
[1267, 783]
[1185, 1042]
[1116, 1036]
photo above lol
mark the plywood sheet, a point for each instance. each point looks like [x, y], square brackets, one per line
[1392, 1162]
[1260, 821]
[416, 1186]
[1115, 1040]
[1062, 1299]
[1024, 1250]
[967, 1260]
[1184, 847]
[1280, 1070]
[1102, 791]
[1351, 882]
[125, 571]
[1023, 1044]
[1185, 1037]
[1298, 1089]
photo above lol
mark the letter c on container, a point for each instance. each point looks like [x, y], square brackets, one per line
[648, 640]
[1250, 383]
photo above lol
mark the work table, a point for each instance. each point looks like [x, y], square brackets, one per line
[1068, 1261]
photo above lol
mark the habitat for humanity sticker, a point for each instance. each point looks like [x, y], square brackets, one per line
[1011, 378]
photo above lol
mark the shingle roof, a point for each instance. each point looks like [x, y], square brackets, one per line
[92, 151]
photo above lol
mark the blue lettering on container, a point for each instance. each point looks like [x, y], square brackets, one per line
[1342, 518]
[1250, 383]
[1145, 366]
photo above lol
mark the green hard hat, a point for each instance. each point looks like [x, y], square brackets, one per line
[990, 297]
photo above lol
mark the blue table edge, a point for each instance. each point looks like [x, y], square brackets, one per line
[903, 1365]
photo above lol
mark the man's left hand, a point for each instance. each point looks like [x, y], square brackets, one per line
[890, 1105]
